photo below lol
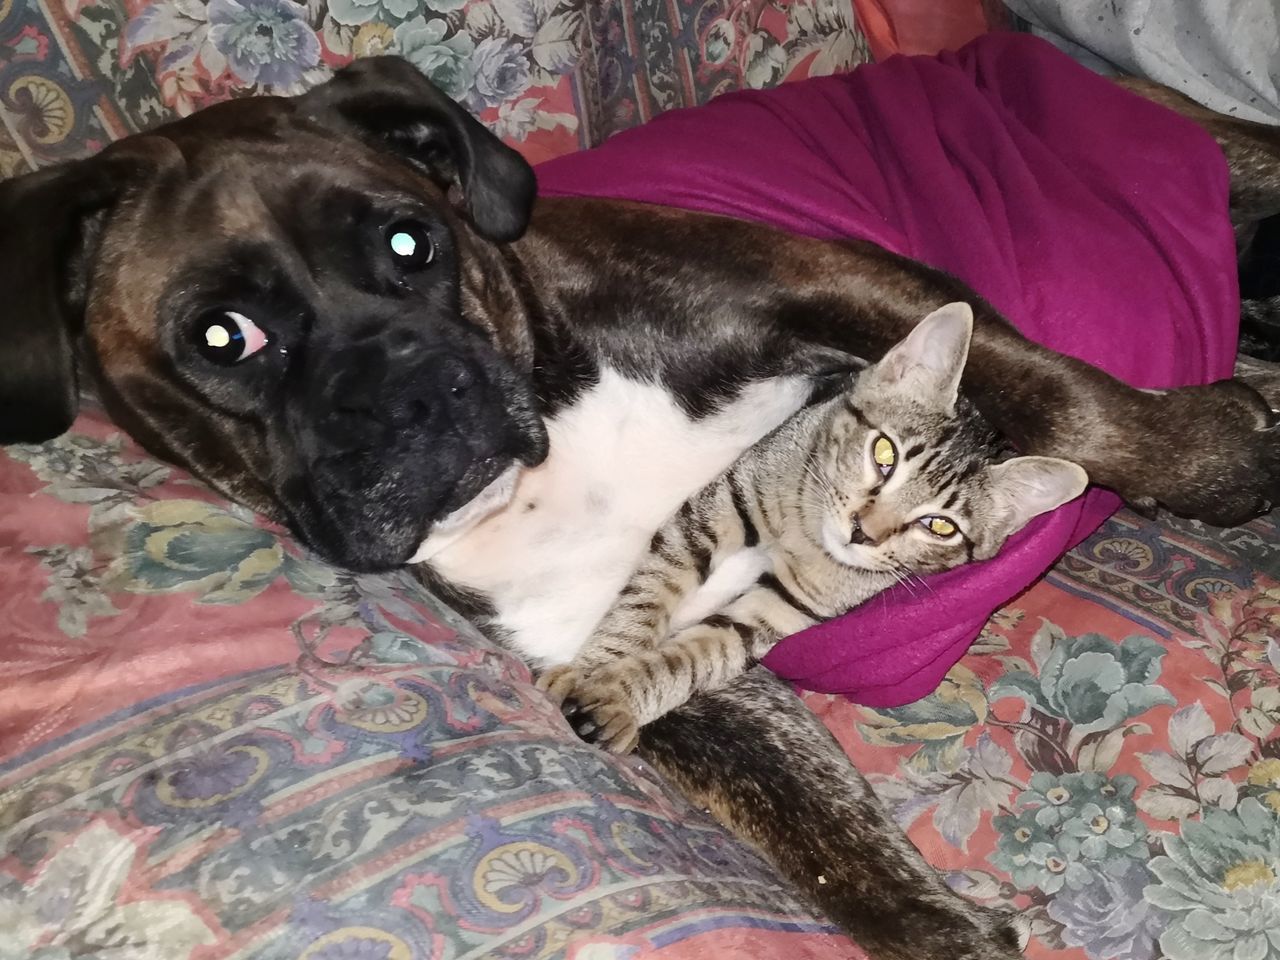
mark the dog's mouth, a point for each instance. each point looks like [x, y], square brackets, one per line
[485, 484]
[374, 498]
[493, 496]
[488, 478]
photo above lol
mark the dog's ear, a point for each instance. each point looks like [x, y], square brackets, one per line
[49, 226]
[386, 100]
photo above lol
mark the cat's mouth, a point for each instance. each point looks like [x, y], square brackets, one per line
[853, 555]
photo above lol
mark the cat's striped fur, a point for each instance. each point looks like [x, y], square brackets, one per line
[890, 479]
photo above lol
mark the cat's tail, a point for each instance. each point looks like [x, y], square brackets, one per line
[757, 758]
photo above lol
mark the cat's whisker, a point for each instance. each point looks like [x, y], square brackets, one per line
[823, 483]
[903, 577]
[909, 578]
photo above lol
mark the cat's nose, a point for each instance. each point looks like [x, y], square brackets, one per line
[857, 534]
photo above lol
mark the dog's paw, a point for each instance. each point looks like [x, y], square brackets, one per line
[601, 713]
[1005, 937]
[1213, 455]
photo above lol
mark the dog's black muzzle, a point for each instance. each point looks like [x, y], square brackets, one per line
[394, 432]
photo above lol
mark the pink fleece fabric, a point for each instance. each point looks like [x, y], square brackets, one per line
[1094, 220]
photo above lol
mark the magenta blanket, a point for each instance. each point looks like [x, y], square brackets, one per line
[1095, 221]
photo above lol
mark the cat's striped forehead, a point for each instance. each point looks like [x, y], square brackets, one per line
[912, 478]
[935, 443]
[947, 451]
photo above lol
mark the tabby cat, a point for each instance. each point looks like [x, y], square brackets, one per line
[894, 477]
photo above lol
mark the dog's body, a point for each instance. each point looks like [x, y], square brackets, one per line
[424, 377]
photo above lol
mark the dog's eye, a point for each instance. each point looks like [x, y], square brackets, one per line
[228, 337]
[410, 244]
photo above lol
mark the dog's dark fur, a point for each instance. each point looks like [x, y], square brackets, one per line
[388, 400]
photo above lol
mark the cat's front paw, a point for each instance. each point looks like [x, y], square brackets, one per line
[601, 713]
[559, 683]
[596, 706]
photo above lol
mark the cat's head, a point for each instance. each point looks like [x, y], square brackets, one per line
[909, 478]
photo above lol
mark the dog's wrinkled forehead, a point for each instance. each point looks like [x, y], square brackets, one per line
[225, 209]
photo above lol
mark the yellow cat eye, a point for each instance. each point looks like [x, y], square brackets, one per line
[939, 526]
[885, 455]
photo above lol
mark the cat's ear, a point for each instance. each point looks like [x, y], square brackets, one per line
[1026, 487]
[930, 360]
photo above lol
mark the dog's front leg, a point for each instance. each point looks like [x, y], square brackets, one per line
[1209, 452]
[766, 767]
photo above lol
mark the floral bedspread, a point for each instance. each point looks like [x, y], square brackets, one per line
[213, 745]
[1107, 757]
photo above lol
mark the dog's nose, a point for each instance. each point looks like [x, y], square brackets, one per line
[367, 393]
[446, 390]
[456, 377]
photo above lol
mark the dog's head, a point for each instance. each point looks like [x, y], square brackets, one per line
[288, 296]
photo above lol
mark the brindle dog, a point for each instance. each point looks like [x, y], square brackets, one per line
[428, 320]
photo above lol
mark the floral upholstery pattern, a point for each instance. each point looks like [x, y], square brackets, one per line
[76, 74]
[74, 78]
[646, 56]
[1107, 757]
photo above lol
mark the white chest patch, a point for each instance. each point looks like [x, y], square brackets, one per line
[622, 459]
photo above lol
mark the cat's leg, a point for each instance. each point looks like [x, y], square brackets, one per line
[639, 619]
[679, 559]
[613, 702]
[767, 768]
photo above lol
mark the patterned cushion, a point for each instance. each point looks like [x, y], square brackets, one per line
[210, 740]
[76, 75]
[73, 78]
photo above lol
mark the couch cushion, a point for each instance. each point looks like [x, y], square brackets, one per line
[75, 76]
[185, 754]
[1106, 758]
[100, 69]
[644, 57]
